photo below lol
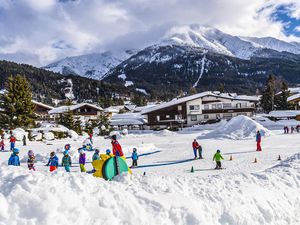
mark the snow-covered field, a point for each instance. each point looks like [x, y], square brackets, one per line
[266, 192]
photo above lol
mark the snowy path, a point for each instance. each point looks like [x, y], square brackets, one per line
[245, 193]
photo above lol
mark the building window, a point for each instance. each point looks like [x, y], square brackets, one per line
[206, 117]
[206, 107]
[213, 106]
[219, 106]
[194, 107]
[158, 118]
[167, 116]
[193, 117]
[227, 116]
[180, 107]
[178, 117]
[226, 105]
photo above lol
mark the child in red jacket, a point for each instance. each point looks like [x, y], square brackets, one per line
[116, 147]
[2, 144]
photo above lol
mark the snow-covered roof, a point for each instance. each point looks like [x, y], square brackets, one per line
[42, 104]
[293, 97]
[127, 119]
[63, 109]
[114, 109]
[247, 98]
[283, 113]
[195, 96]
[141, 108]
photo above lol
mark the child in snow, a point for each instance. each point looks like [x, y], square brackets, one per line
[218, 157]
[195, 146]
[12, 141]
[67, 148]
[82, 159]
[53, 162]
[292, 129]
[134, 157]
[66, 161]
[2, 144]
[258, 141]
[96, 155]
[14, 158]
[31, 160]
[116, 147]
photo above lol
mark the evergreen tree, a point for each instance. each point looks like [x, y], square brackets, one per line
[221, 88]
[267, 99]
[77, 127]
[67, 118]
[193, 91]
[18, 109]
[281, 102]
[139, 100]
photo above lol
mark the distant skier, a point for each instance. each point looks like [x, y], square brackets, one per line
[116, 147]
[53, 162]
[12, 141]
[285, 130]
[292, 129]
[298, 128]
[218, 157]
[91, 137]
[134, 157]
[14, 158]
[258, 141]
[66, 161]
[31, 160]
[2, 144]
[82, 159]
[24, 140]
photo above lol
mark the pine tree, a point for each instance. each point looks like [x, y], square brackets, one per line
[221, 88]
[77, 127]
[281, 102]
[267, 99]
[193, 91]
[18, 109]
[67, 118]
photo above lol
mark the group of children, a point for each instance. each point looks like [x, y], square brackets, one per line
[66, 162]
[12, 141]
[286, 129]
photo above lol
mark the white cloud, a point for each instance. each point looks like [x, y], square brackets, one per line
[46, 30]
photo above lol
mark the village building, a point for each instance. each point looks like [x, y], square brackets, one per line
[83, 111]
[42, 110]
[199, 108]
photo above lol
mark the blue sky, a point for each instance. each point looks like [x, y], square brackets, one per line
[282, 14]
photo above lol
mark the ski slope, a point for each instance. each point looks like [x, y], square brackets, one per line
[266, 192]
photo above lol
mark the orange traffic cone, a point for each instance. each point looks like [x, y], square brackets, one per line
[230, 159]
[255, 160]
[279, 158]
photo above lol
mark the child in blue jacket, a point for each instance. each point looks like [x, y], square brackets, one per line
[66, 161]
[134, 157]
[14, 158]
[53, 162]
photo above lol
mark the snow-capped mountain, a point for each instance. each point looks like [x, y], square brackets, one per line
[93, 66]
[215, 40]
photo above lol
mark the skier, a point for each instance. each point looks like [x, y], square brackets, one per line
[31, 160]
[218, 157]
[82, 160]
[67, 148]
[258, 141]
[195, 146]
[53, 161]
[285, 130]
[91, 137]
[292, 129]
[87, 144]
[24, 140]
[66, 161]
[14, 158]
[2, 144]
[116, 147]
[134, 157]
[12, 141]
[96, 155]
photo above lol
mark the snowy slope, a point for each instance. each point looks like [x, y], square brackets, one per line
[220, 42]
[245, 193]
[93, 66]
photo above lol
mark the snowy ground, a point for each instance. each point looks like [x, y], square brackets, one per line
[266, 192]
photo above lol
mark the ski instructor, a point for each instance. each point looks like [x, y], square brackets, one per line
[116, 147]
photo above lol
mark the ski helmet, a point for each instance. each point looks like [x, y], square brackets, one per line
[16, 150]
[218, 151]
[107, 151]
[114, 137]
[30, 153]
[81, 151]
[52, 154]
[66, 152]
[97, 150]
[67, 146]
[134, 149]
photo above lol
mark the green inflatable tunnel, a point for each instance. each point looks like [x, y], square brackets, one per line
[109, 169]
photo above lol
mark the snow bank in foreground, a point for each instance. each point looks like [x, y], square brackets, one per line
[270, 197]
[238, 128]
